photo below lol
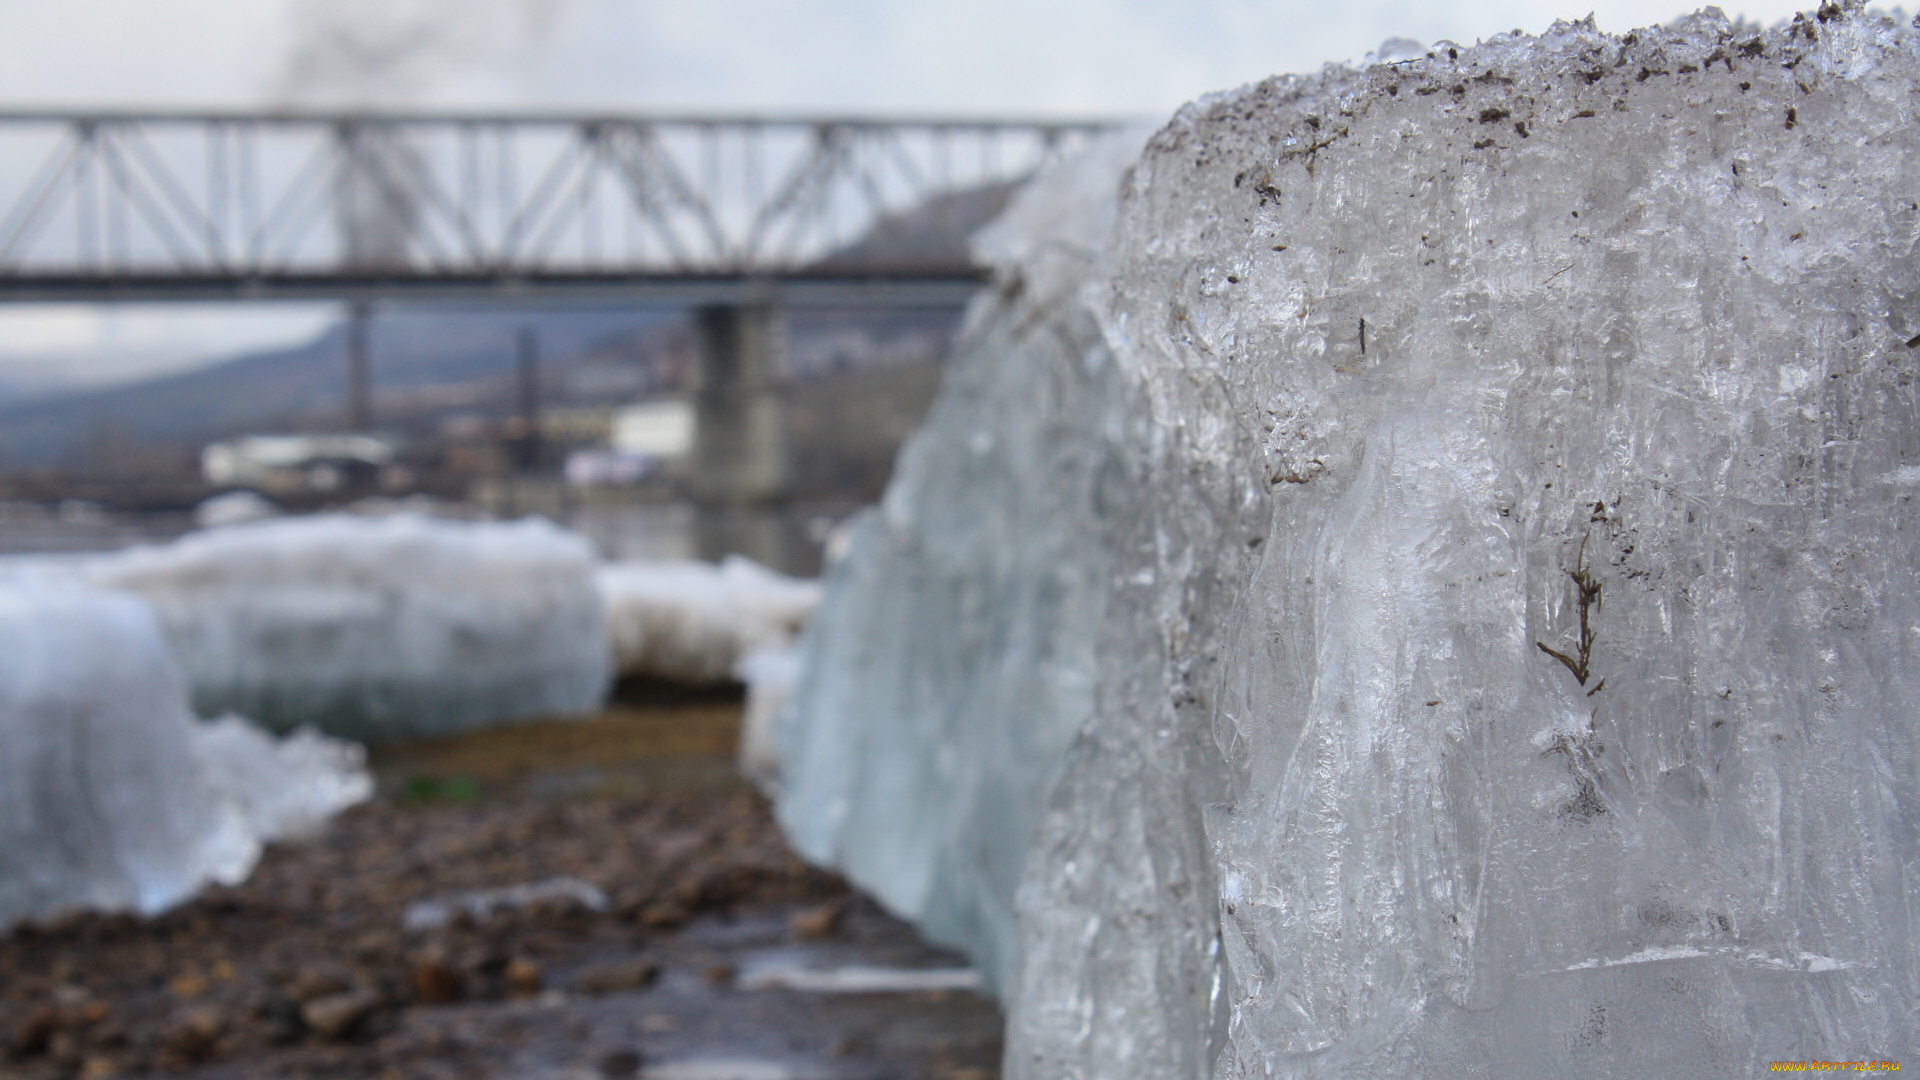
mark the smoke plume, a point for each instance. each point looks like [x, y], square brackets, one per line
[363, 52]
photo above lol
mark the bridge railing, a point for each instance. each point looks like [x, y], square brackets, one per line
[95, 196]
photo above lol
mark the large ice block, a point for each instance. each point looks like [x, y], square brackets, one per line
[112, 796]
[1501, 657]
[953, 658]
[378, 628]
[1569, 713]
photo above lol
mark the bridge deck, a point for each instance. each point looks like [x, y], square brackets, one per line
[942, 288]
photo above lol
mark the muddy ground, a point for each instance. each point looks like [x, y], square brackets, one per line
[663, 935]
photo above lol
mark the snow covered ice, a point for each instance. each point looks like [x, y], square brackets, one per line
[378, 628]
[406, 626]
[693, 621]
[112, 796]
[697, 622]
[1483, 640]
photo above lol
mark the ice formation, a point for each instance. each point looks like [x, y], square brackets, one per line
[693, 621]
[479, 905]
[378, 628]
[953, 658]
[1487, 642]
[769, 673]
[112, 796]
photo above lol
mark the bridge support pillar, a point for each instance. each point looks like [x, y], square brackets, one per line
[359, 368]
[529, 453]
[740, 434]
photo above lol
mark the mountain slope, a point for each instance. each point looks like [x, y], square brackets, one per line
[303, 386]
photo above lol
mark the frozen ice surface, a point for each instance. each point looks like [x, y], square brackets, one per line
[858, 979]
[953, 659]
[378, 628]
[1117, 971]
[693, 621]
[112, 796]
[285, 787]
[1482, 639]
[480, 904]
[1569, 713]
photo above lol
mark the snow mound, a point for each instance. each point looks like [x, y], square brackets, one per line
[112, 796]
[693, 621]
[378, 628]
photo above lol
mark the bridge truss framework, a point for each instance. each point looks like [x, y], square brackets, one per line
[101, 206]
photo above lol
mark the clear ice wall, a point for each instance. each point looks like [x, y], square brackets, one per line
[953, 658]
[1500, 623]
[378, 629]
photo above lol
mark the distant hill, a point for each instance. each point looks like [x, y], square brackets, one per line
[10, 394]
[303, 387]
[931, 236]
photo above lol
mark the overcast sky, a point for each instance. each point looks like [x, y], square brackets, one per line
[1026, 57]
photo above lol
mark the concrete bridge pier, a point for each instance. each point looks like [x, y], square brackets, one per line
[740, 448]
[359, 367]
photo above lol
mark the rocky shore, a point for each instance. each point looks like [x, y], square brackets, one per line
[566, 900]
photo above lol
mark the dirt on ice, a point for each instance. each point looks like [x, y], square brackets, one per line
[561, 901]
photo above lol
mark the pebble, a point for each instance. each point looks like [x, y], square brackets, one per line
[31, 1036]
[523, 977]
[664, 916]
[435, 981]
[616, 977]
[817, 922]
[337, 1016]
[191, 1034]
[279, 1015]
[619, 1064]
[312, 983]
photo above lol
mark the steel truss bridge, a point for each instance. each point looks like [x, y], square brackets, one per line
[131, 206]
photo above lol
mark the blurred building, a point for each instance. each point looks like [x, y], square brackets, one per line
[294, 464]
